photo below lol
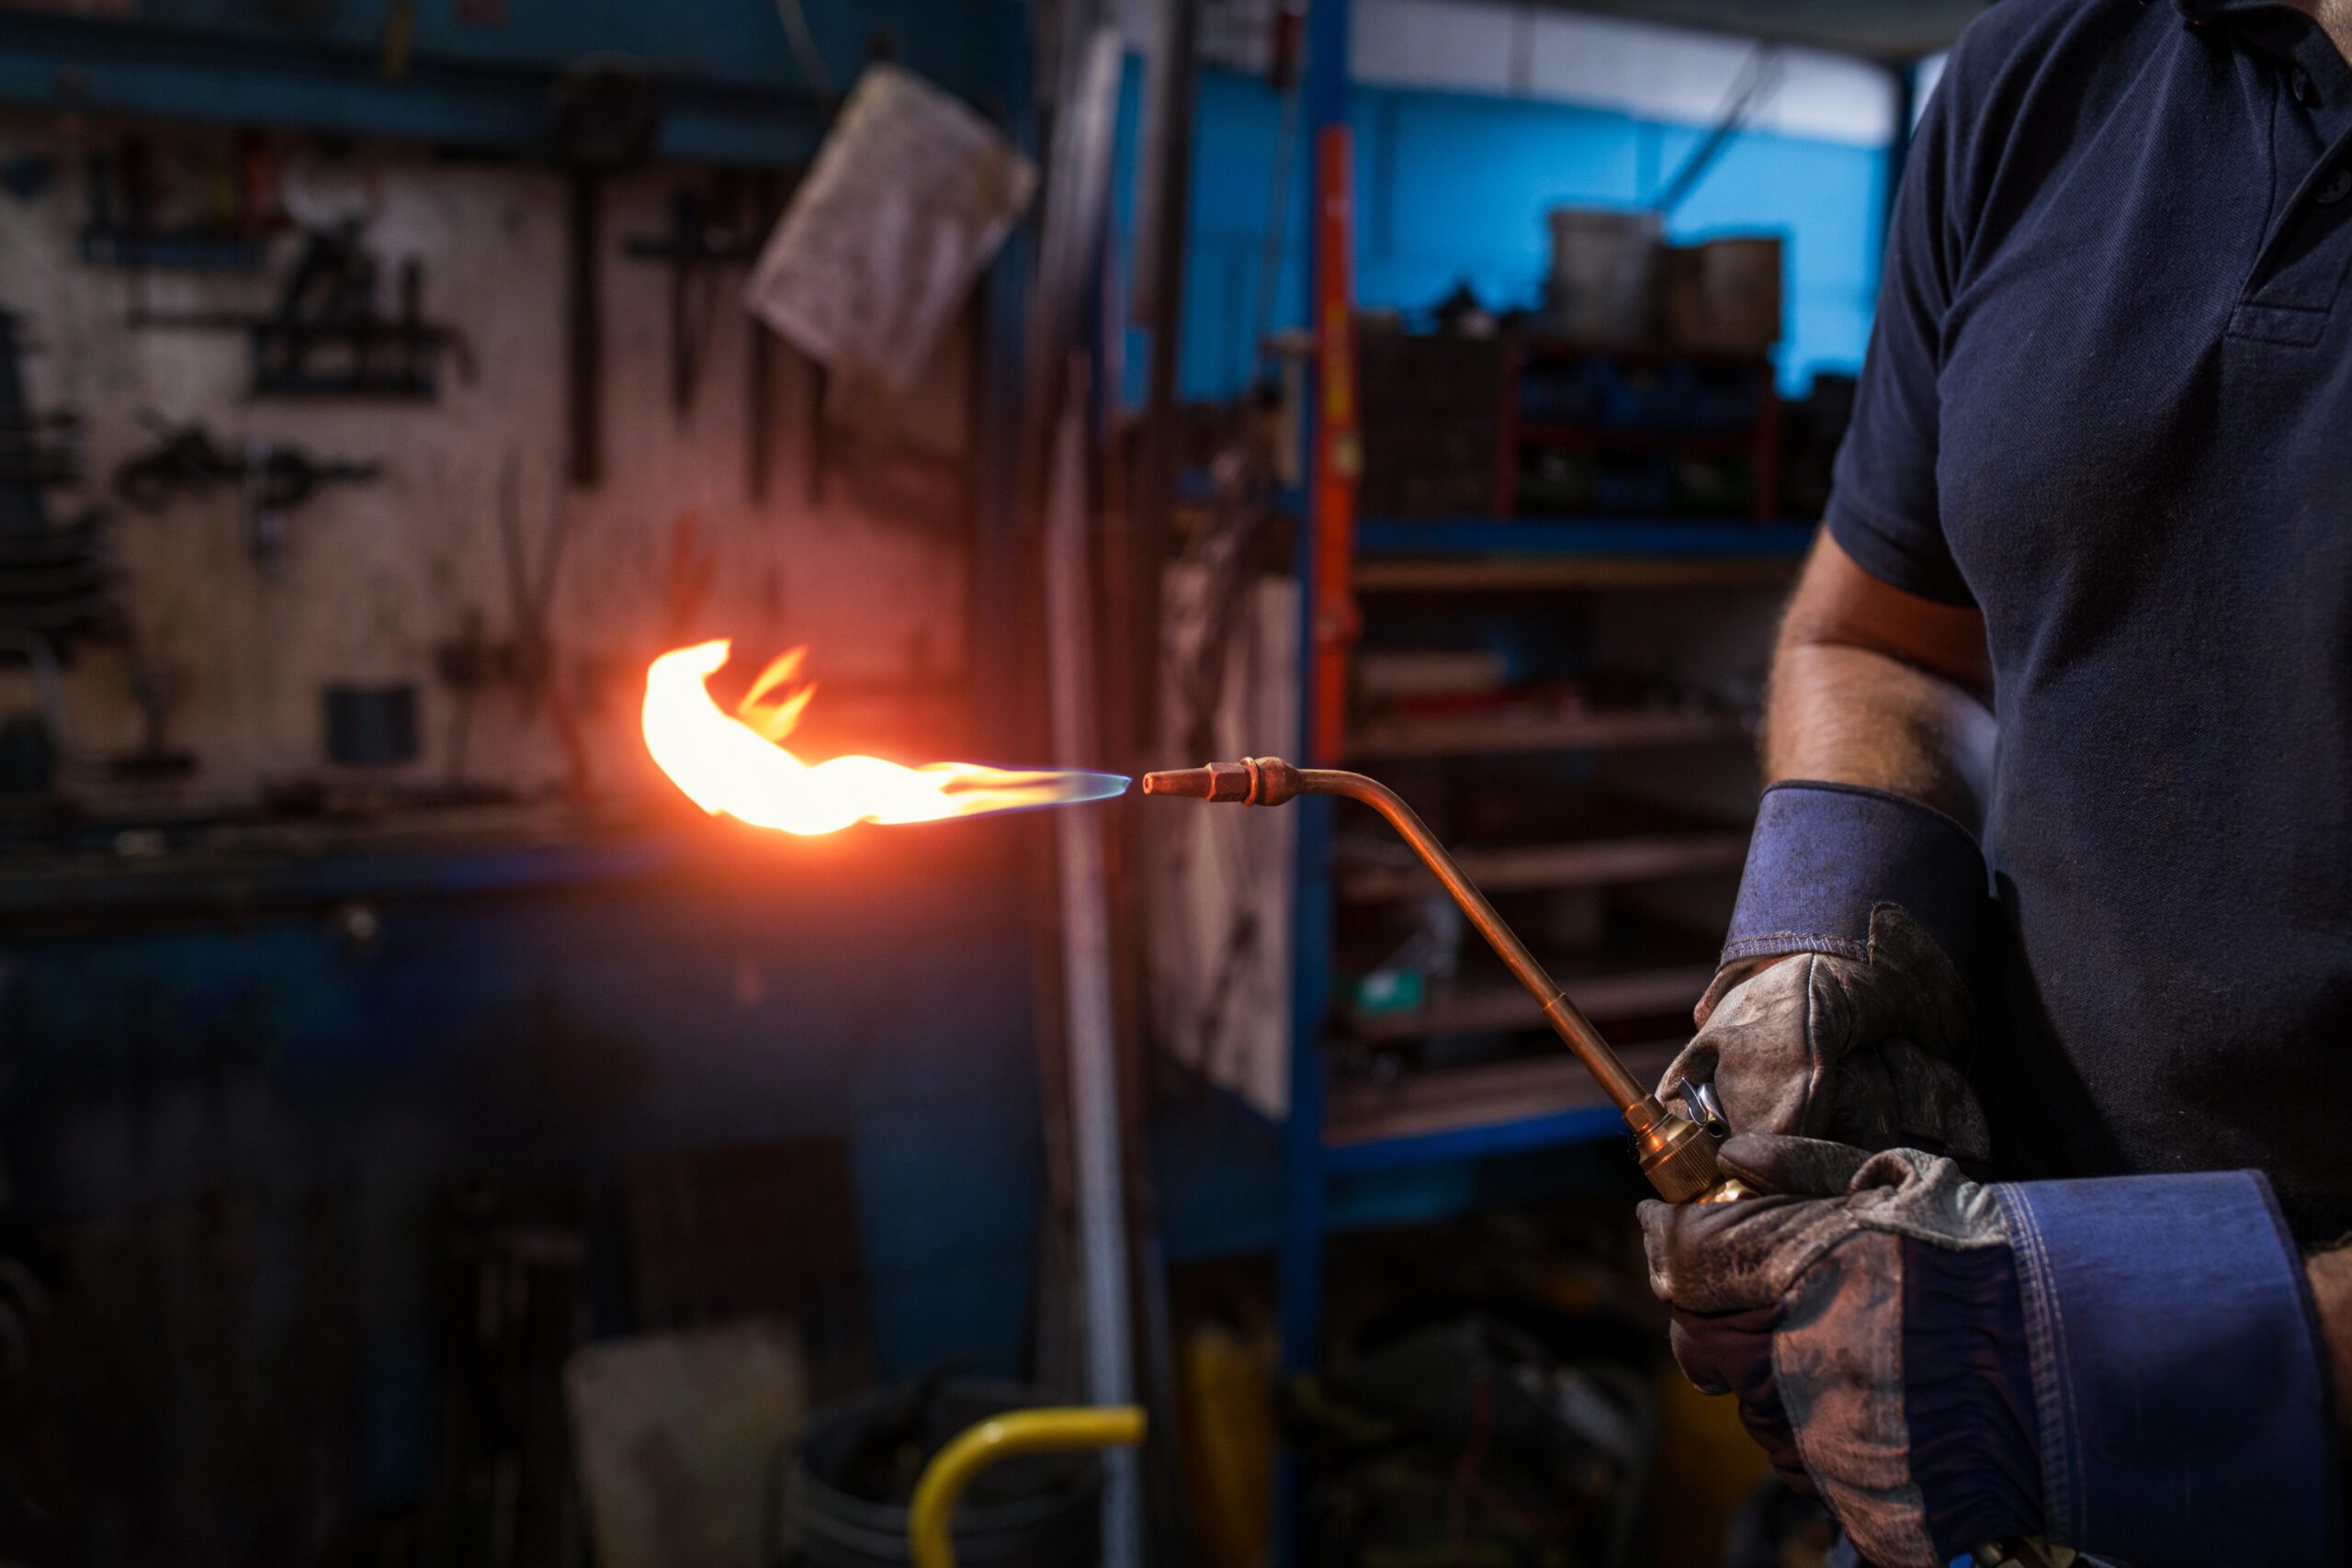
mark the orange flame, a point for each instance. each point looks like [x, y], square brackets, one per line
[737, 765]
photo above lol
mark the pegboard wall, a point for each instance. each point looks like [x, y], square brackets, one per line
[377, 579]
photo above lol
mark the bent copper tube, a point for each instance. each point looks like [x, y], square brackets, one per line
[1676, 1155]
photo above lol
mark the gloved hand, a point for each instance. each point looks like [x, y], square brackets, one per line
[1917, 1427]
[1869, 1052]
[2128, 1367]
[1864, 910]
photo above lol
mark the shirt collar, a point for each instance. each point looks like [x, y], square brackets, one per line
[2213, 10]
[2279, 28]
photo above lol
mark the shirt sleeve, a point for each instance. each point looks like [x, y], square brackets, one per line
[2179, 1375]
[1882, 505]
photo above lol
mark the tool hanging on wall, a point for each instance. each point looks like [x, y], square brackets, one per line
[605, 120]
[720, 227]
[276, 482]
[326, 337]
[57, 580]
[708, 231]
[526, 658]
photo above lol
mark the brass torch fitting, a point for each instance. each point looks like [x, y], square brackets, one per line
[1253, 781]
[1677, 1156]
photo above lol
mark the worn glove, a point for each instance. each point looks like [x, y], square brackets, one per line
[1870, 1052]
[2127, 1367]
[1866, 908]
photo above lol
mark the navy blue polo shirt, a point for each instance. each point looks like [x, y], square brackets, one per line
[2108, 403]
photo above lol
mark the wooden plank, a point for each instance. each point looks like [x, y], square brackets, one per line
[1504, 574]
[1495, 732]
[1592, 863]
[1636, 992]
[1447, 1101]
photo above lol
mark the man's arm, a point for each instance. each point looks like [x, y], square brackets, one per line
[1874, 686]
[2331, 1277]
[1841, 1008]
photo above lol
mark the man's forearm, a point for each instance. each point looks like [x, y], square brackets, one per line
[1850, 715]
[2331, 1277]
[1874, 686]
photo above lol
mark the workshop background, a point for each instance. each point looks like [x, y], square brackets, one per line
[428, 1138]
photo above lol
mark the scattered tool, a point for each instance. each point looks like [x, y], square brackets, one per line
[276, 480]
[327, 338]
[1676, 1153]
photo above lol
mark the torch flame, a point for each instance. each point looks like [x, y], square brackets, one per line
[737, 765]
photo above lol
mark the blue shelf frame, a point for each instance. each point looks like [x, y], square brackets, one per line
[1581, 537]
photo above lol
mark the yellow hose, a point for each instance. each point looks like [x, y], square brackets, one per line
[930, 1523]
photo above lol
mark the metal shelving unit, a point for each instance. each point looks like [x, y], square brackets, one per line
[1356, 1127]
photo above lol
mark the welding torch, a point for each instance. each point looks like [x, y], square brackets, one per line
[1677, 1153]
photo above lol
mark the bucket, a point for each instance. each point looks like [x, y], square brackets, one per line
[1603, 287]
[1034, 1511]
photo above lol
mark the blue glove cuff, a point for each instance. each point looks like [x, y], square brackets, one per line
[1824, 855]
[2180, 1385]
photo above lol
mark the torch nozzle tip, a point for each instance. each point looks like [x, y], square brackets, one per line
[1192, 783]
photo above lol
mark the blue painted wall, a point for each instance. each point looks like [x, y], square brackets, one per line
[1455, 185]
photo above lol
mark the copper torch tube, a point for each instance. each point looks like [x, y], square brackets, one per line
[1678, 1156]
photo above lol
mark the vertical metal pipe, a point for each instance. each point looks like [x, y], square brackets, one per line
[1089, 1022]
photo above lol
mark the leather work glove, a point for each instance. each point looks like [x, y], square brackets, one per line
[1870, 1052]
[2127, 1367]
[1865, 910]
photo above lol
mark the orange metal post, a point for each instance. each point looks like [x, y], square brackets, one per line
[1338, 452]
